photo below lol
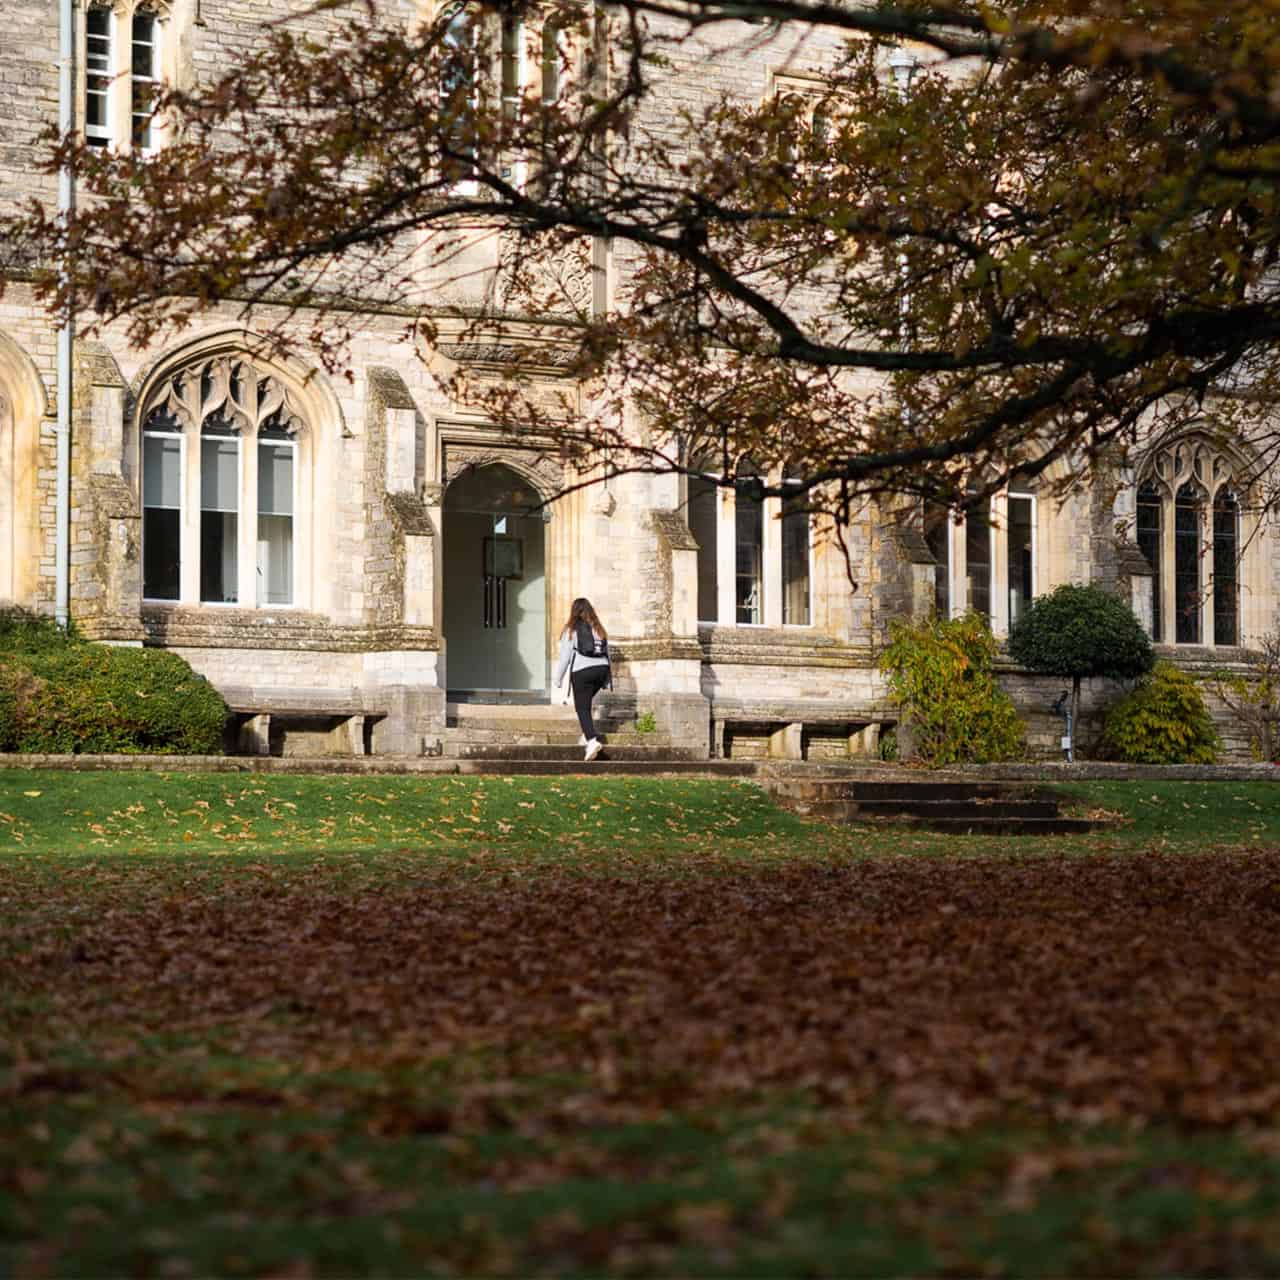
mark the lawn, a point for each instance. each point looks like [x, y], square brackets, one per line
[267, 1025]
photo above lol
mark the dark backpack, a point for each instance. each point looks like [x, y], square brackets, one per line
[589, 644]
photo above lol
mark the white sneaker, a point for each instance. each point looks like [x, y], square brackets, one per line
[594, 747]
[582, 739]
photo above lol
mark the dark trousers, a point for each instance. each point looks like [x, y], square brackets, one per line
[586, 682]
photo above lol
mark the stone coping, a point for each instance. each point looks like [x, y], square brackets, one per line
[1047, 771]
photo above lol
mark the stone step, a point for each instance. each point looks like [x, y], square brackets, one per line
[975, 823]
[610, 768]
[472, 711]
[908, 807]
[533, 736]
[865, 791]
[569, 752]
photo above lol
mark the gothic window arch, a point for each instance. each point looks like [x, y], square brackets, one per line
[1189, 513]
[127, 52]
[226, 458]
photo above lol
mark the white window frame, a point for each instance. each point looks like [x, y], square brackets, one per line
[771, 584]
[101, 135]
[957, 559]
[241, 487]
[809, 568]
[295, 470]
[181, 437]
[117, 133]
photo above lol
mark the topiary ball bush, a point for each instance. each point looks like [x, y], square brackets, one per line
[1163, 721]
[1081, 631]
[60, 694]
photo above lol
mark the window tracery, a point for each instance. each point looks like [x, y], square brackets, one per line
[1190, 502]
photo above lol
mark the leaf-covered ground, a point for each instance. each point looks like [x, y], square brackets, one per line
[701, 1038]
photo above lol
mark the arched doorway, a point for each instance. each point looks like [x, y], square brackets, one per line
[495, 598]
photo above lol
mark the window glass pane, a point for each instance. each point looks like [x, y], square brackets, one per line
[275, 522]
[1149, 543]
[144, 32]
[97, 76]
[704, 507]
[550, 63]
[749, 556]
[978, 559]
[219, 474]
[1021, 569]
[937, 533]
[1226, 554]
[162, 471]
[219, 569]
[795, 563]
[219, 523]
[275, 559]
[142, 79]
[457, 87]
[1186, 538]
[160, 543]
[275, 479]
[512, 57]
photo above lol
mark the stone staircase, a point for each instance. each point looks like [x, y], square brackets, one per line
[956, 805]
[542, 739]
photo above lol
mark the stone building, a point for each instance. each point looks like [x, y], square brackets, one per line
[367, 552]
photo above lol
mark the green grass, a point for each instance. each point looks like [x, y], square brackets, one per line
[1188, 813]
[146, 812]
[209, 813]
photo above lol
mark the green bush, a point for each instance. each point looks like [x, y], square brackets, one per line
[940, 672]
[1163, 721]
[22, 631]
[65, 695]
[1081, 631]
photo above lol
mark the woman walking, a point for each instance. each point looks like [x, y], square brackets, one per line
[584, 653]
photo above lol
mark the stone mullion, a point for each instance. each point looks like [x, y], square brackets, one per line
[189, 517]
[247, 522]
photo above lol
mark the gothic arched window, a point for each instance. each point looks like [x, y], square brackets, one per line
[219, 481]
[1188, 526]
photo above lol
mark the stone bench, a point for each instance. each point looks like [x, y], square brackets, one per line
[790, 726]
[298, 721]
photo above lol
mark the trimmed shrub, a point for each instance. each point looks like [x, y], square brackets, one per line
[59, 694]
[1163, 721]
[1081, 631]
[941, 674]
[22, 631]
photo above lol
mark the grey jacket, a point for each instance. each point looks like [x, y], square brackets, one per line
[570, 657]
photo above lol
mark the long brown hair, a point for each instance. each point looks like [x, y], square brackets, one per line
[581, 611]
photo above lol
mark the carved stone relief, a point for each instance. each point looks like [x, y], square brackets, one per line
[559, 282]
[543, 472]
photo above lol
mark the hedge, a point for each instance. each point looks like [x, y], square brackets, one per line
[61, 694]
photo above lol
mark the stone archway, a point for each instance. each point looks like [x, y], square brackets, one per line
[22, 406]
[495, 586]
